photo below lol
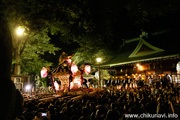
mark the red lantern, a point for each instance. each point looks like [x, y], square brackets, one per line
[44, 72]
[87, 69]
[74, 68]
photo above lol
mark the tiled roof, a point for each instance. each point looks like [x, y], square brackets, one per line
[145, 49]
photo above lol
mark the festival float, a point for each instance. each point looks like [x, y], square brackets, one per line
[68, 73]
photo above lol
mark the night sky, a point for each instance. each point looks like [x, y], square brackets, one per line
[124, 22]
[68, 48]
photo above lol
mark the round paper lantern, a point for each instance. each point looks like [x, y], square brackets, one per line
[178, 67]
[69, 60]
[44, 72]
[74, 68]
[87, 69]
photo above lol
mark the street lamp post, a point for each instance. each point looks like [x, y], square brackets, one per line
[99, 60]
[17, 50]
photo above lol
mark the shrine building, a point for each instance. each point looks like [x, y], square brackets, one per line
[156, 54]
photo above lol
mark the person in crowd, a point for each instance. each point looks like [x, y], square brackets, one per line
[85, 114]
[113, 82]
[124, 82]
[62, 58]
[158, 82]
[167, 79]
[90, 81]
[112, 113]
[85, 83]
[50, 78]
[163, 80]
[109, 82]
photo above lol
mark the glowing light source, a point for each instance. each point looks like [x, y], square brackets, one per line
[20, 31]
[43, 72]
[74, 68]
[98, 59]
[56, 85]
[87, 69]
[138, 65]
[69, 60]
[140, 68]
[178, 67]
[28, 87]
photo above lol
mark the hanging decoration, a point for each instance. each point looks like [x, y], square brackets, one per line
[43, 72]
[74, 68]
[87, 69]
[56, 85]
[69, 60]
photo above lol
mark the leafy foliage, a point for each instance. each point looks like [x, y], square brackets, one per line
[34, 66]
[34, 42]
[97, 26]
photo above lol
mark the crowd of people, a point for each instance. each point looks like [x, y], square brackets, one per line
[107, 104]
[35, 96]
[147, 80]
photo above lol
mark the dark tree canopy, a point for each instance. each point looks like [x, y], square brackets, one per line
[96, 28]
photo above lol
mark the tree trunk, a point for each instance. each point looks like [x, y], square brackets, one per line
[17, 57]
[17, 69]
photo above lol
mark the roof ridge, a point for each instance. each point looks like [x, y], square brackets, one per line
[139, 46]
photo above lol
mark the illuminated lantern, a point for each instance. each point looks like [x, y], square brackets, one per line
[87, 69]
[178, 67]
[69, 60]
[56, 85]
[140, 68]
[74, 68]
[44, 72]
